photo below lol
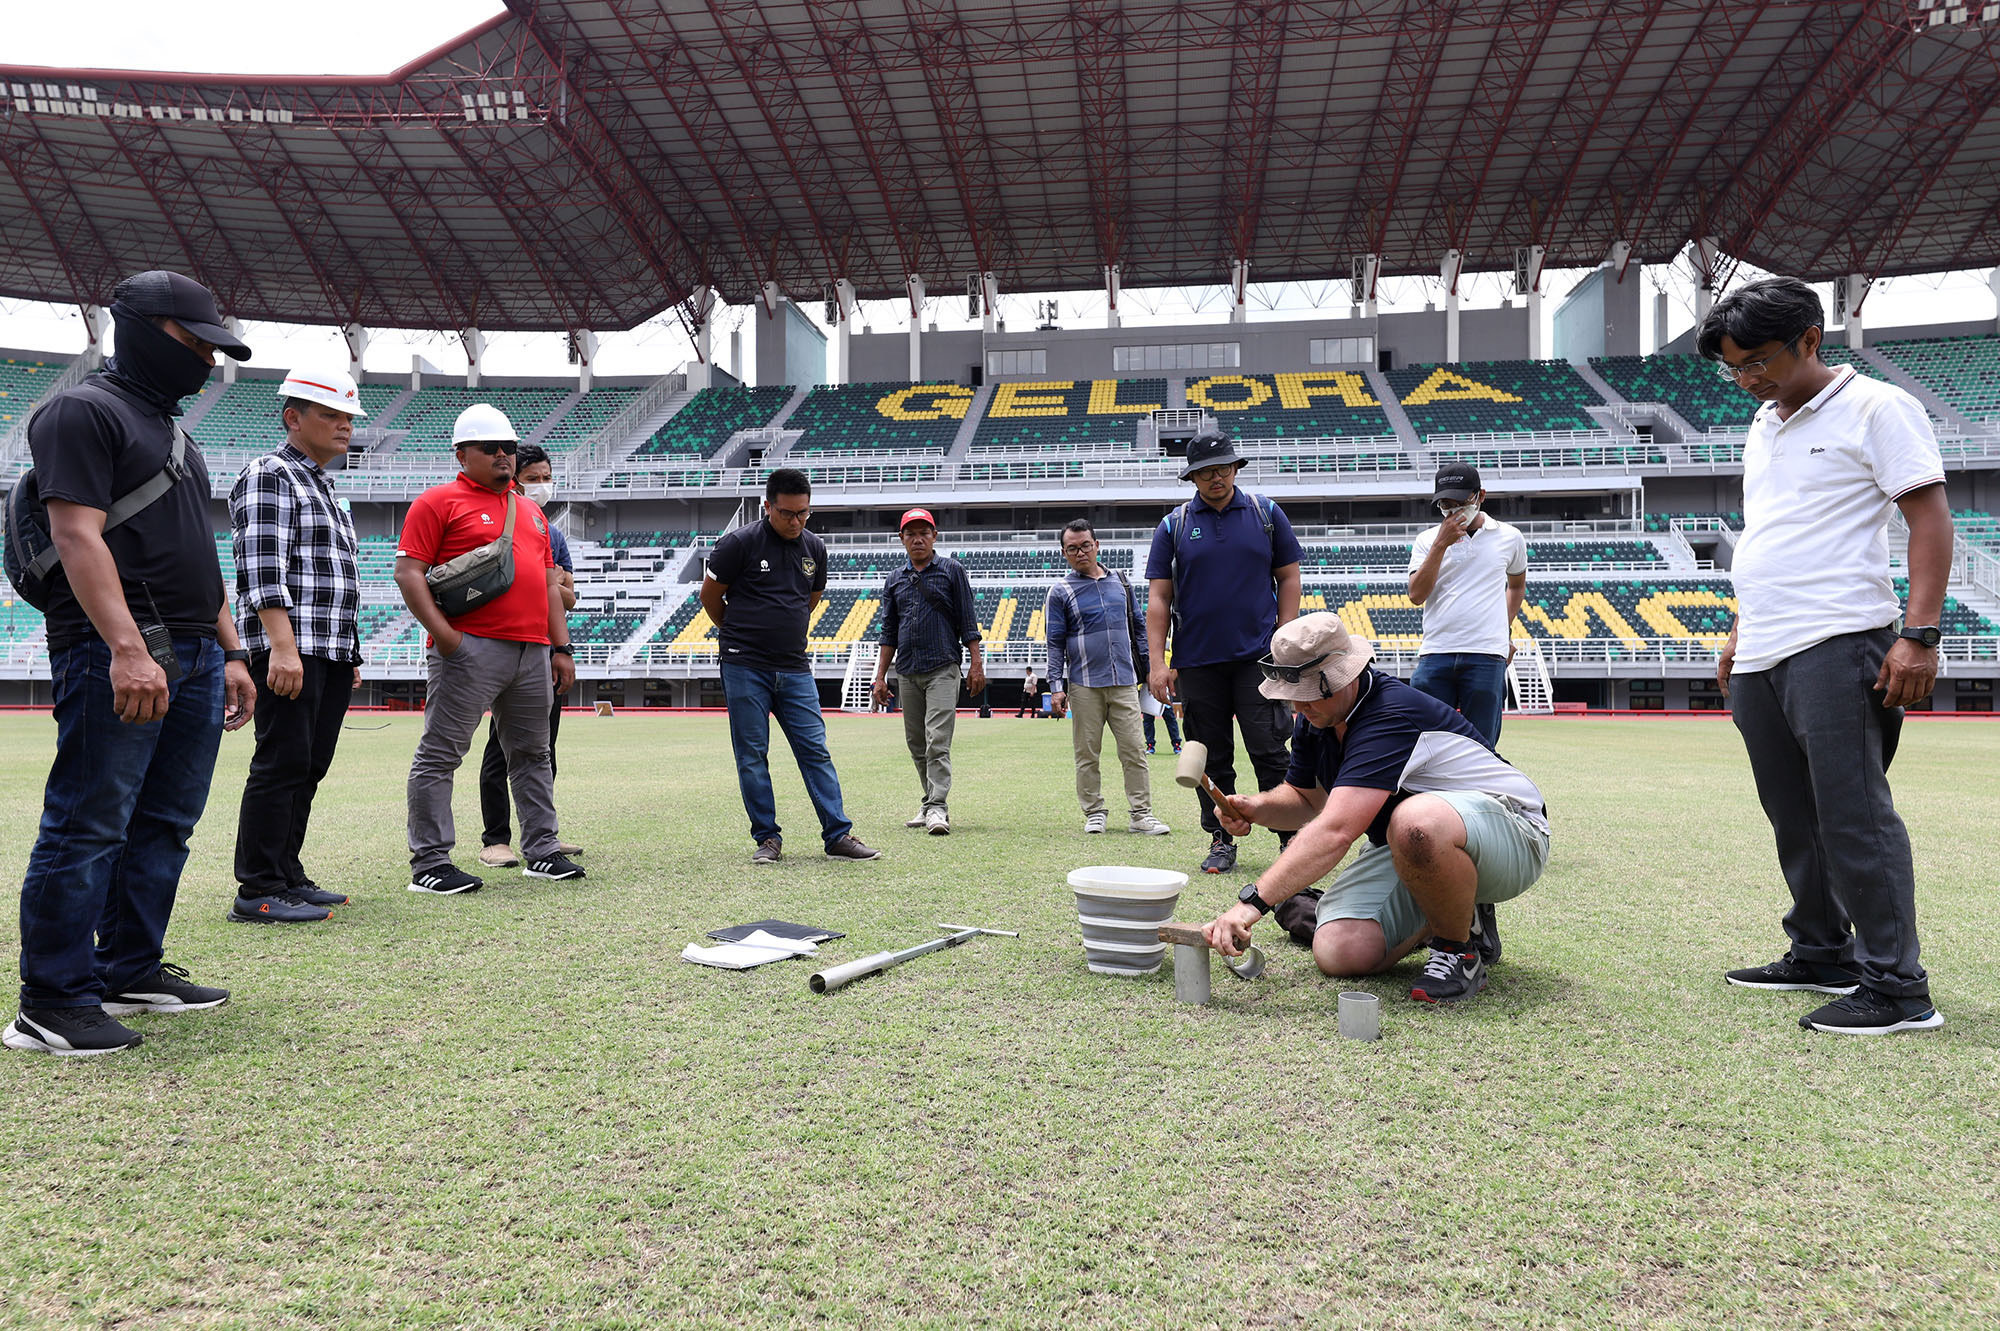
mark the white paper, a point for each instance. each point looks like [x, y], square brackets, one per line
[1148, 703]
[756, 950]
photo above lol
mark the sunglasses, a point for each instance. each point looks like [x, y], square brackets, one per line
[494, 447]
[1291, 674]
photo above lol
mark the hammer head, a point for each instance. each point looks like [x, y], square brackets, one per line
[1193, 763]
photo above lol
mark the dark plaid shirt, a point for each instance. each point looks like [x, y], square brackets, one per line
[927, 615]
[295, 548]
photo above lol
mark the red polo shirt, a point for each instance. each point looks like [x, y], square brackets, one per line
[447, 520]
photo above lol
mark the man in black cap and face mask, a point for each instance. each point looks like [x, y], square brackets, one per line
[148, 673]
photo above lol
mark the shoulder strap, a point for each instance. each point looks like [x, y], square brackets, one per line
[130, 504]
[507, 530]
[1176, 519]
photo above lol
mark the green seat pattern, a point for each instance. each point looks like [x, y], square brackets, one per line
[1495, 397]
[1062, 420]
[853, 418]
[713, 415]
[1688, 384]
[1305, 405]
[428, 415]
[1964, 371]
[22, 383]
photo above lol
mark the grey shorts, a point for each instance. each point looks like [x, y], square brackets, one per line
[1509, 847]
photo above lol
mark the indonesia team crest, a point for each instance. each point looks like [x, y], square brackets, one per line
[810, 566]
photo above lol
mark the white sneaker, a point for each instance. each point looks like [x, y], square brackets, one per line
[1145, 824]
[937, 822]
[917, 819]
[1094, 823]
[499, 857]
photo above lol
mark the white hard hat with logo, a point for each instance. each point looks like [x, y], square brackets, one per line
[329, 388]
[481, 420]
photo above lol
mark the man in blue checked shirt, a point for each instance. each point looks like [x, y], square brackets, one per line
[927, 613]
[1097, 658]
[298, 597]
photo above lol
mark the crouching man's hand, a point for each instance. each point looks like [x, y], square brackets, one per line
[1229, 932]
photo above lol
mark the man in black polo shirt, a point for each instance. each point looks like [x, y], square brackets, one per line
[762, 583]
[1449, 822]
[148, 673]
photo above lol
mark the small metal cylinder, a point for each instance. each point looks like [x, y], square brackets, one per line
[1360, 1016]
[1190, 973]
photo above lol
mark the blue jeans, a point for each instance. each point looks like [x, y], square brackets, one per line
[1473, 682]
[755, 696]
[120, 803]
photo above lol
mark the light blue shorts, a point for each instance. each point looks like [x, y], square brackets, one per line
[1510, 849]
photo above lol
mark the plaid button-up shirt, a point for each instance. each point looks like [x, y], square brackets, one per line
[927, 615]
[295, 548]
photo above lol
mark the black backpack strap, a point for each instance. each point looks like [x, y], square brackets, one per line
[130, 504]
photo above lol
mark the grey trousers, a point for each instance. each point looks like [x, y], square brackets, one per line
[930, 715]
[1090, 710]
[1820, 742]
[512, 678]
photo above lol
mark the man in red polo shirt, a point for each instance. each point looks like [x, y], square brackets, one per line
[510, 654]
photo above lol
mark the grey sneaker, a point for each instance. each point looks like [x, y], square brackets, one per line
[851, 847]
[769, 851]
[1486, 932]
[937, 822]
[917, 819]
[1094, 823]
[1145, 824]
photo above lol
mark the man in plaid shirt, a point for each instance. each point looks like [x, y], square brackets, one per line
[298, 598]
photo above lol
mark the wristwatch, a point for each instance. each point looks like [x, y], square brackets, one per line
[564, 648]
[1249, 897]
[1927, 634]
[235, 654]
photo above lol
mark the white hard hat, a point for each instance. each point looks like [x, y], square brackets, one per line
[481, 420]
[329, 388]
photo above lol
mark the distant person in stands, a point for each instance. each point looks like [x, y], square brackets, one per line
[1097, 662]
[1823, 659]
[298, 598]
[927, 616]
[1031, 694]
[762, 583]
[509, 653]
[535, 475]
[1468, 574]
[1223, 575]
[147, 674]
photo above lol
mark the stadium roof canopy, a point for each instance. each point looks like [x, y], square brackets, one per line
[589, 163]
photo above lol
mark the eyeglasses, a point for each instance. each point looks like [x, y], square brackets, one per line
[1083, 549]
[1753, 368]
[1449, 506]
[1291, 674]
[1207, 474]
[491, 447]
[791, 514]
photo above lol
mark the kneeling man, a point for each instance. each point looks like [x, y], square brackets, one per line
[1449, 823]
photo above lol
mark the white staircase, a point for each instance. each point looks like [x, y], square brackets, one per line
[858, 684]
[1528, 678]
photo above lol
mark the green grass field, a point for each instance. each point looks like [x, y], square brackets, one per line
[521, 1109]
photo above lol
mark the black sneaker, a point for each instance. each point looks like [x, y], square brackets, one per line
[285, 907]
[1788, 973]
[167, 989]
[446, 880]
[1486, 932]
[769, 851]
[68, 1032]
[552, 866]
[1221, 856]
[1454, 972]
[314, 895]
[1866, 1012]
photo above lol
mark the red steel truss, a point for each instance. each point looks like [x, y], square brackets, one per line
[581, 164]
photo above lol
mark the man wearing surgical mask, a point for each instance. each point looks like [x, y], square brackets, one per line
[535, 476]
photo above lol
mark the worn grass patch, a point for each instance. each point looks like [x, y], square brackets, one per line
[520, 1109]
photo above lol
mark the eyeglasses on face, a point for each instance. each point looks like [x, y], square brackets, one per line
[1752, 368]
[492, 447]
[1209, 474]
[1291, 674]
[792, 514]
[1079, 548]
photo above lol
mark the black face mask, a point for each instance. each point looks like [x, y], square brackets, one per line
[151, 362]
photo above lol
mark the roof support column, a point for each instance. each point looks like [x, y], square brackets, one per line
[1853, 293]
[230, 363]
[915, 284]
[843, 305]
[356, 337]
[95, 318]
[1448, 270]
[1707, 257]
[583, 348]
[704, 320]
[1367, 267]
[1528, 284]
[474, 342]
[1624, 306]
[1239, 281]
[989, 299]
[1111, 295]
[1993, 280]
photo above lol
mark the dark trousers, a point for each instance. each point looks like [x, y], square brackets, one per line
[494, 809]
[1173, 728]
[296, 738]
[1212, 697]
[116, 815]
[1820, 742]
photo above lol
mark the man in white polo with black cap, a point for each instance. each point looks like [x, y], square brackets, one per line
[1468, 574]
[1448, 822]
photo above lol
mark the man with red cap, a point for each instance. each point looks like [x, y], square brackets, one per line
[927, 614]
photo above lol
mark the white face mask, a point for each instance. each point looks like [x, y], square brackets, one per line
[541, 491]
[1466, 511]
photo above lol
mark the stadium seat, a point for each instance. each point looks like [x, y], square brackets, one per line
[712, 416]
[586, 418]
[1964, 371]
[1688, 384]
[245, 414]
[855, 418]
[1068, 416]
[22, 383]
[1303, 405]
[428, 415]
[1495, 397]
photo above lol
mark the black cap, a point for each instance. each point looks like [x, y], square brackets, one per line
[157, 292]
[1456, 480]
[1210, 448]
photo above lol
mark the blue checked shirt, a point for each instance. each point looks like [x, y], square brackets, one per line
[295, 548]
[925, 637]
[1092, 624]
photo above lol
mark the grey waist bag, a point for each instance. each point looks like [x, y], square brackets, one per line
[477, 577]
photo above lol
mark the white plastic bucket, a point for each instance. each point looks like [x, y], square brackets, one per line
[1120, 910]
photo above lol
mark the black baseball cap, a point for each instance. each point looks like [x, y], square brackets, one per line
[157, 293]
[1211, 448]
[1456, 480]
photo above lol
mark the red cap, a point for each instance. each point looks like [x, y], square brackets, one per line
[917, 515]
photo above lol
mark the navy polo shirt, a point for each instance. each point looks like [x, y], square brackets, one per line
[771, 584]
[1408, 743]
[1226, 597]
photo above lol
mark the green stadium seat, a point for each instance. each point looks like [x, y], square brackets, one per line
[1068, 416]
[1495, 397]
[1310, 404]
[245, 414]
[1964, 371]
[712, 416]
[859, 418]
[22, 384]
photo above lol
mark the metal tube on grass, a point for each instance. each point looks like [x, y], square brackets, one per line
[839, 977]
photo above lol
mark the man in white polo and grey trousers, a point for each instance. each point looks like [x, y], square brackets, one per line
[1823, 659]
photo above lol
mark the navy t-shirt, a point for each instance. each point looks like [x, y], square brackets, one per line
[771, 584]
[94, 443]
[1407, 743]
[1226, 599]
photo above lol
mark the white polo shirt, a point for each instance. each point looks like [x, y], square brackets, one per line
[1467, 609]
[1813, 560]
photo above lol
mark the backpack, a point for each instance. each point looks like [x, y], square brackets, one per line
[30, 556]
[1180, 516]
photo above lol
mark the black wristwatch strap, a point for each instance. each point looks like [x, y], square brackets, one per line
[235, 654]
[564, 648]
[1927, 634]
[1249, 896]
